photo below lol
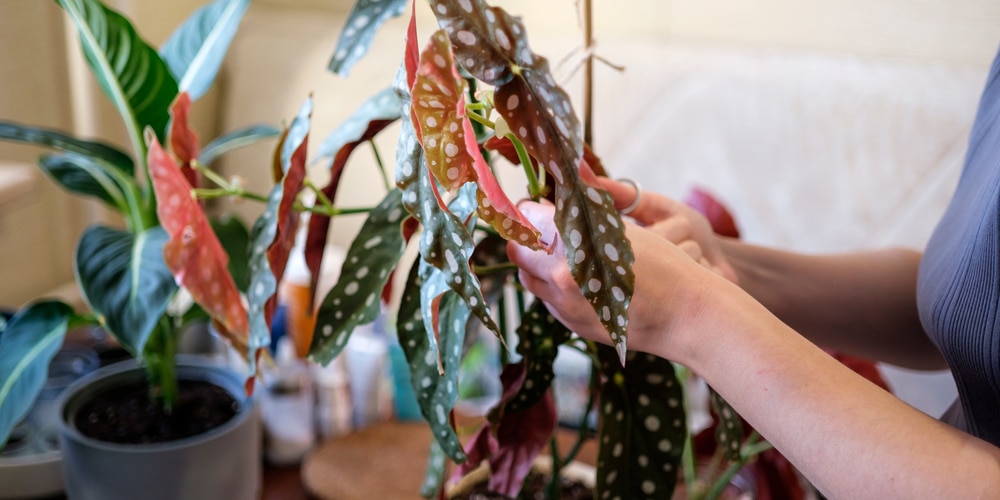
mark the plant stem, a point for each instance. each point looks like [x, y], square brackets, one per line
[751, 448]
[687, 457]
[536, 177]
[161, 356]
[553, 491]
[381, 166]
[477, 118]
[494, 269]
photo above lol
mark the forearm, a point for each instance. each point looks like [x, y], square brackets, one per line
[862, 303]
[849, 437]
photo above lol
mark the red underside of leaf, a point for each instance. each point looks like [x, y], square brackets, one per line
[183, 139]
[194, 254]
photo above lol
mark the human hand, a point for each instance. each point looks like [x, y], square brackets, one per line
[669, 285]
[680, 224]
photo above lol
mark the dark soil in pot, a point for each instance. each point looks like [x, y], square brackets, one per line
[534, 489]
[126, 414]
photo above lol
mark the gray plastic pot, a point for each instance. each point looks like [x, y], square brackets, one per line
[222, 463]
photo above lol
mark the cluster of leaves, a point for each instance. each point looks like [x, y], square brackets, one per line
[448, 200]
[129, 276]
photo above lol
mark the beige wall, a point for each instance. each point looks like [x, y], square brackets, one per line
[38, 224]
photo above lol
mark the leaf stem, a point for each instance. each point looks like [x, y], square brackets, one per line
[381, 165]
[536, 177]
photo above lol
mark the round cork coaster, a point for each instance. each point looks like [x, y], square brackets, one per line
[384, 461]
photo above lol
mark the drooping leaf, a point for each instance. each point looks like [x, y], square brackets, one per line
[242, 137]
[642, 426]
[363, 22]
[128, 70]
[446, 243]
[183, 139]
[491, 45]
[539, 337]
[195, 50]
[274, 231]
[729, 428]
[27, 344]
[194, 254]
[511, 441]
[87, 176]
[59, 141]
[449, 141]
[436, 391]
[438, 111]
[434, 476]
[125, 281]
[354, 299]
[363, 125]
[293, 167]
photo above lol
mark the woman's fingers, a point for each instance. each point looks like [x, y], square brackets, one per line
[650, 207]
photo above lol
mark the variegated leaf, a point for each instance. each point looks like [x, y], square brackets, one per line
[434, 476]
[450, 145]
[435, 383]
[728, 428]
[642, 427]
[445, 243]
[194, 254]
[539, 337]
[274, 231]
[363, 125]
[362, 23]
[354, 299]
[438, 109]
[491, 44]
[241, 137]
[511, 441]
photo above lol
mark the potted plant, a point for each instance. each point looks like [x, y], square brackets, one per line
[132, 277]
[474, 94]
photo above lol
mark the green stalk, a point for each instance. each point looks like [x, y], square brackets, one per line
[381, 165]
[161, 370]
[536, 179]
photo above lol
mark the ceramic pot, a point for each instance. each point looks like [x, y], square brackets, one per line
[224, 462]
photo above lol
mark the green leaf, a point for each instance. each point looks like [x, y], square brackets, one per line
[194, 52]
[27, 344]
[86, 176]
[239, 138]
[492, 45]
[642, 426]
[125, 281]
[235, 239]
[435, 385]
[728, 428]
[354, 300]
[59, 141]
[434, 476]
[363, 22]
[128, 69]
[539, 337]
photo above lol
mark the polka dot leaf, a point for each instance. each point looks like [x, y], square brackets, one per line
[371, 118]
[193, 253]
[728, 427]
[438, 110]
[446, 242]
[492, 46]
[354, 299]
[642, 427]
[539, 336]
[450, 145]
[434, 361]
[434, 476]
[363, 22]
[511, 441]
[273, 233]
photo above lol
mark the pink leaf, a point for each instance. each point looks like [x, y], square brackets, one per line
[194, 254]
[183, 139]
